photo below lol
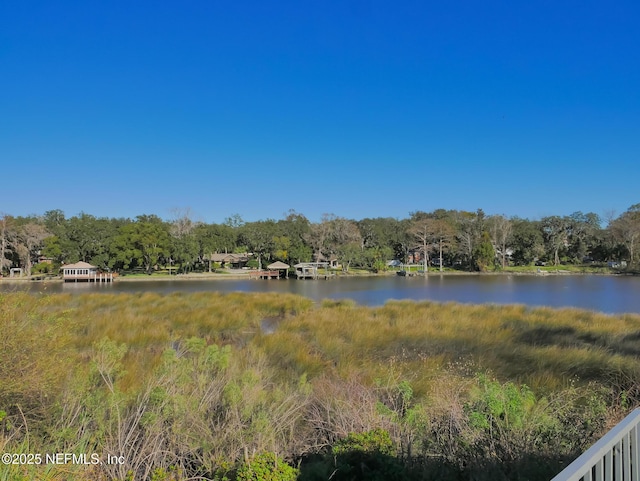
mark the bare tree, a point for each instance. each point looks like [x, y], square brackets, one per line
[5, 241]
[431, 232]
[443, 233]
[318, 235]
[344, 240]
[626, 230]
[421, 230]
[500, 229]
[182, 224]
[184, 245]
[27, 242]
[470, 226]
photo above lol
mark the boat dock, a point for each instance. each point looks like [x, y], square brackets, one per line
[264, 274]
[94, 277]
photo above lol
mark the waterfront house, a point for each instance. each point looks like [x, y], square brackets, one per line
[83, 272]
[235, 261]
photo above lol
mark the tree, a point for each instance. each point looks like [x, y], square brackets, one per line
[80, 232]
[295, 227]
[184, 245]
[584, 230]
[235, 221]
[318, 235]
[350, 253]
[385, 234]
[281, 247]
[81, 238]
[500, 230]
[6, 233]
[469, 230]
[421, 230]
[342, 233]
[443, 234]
[153, 240]
[212, 238]
[626, 230]
[403, 240]
[483, 253]
[258, 238]
[141, 243]
[27, 243]
[374, 258]
[527, 241]
[555, 231]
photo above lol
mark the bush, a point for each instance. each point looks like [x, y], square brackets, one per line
[367, 456]
[42, 268]
[374, 441]
[266, 467]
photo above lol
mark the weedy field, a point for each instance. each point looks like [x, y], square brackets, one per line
[274, 387]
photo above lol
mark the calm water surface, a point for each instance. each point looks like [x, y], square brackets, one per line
[610, 294]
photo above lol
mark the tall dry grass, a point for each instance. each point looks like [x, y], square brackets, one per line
[299, 375]
[541, 347]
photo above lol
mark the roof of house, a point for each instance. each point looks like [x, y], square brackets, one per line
[278, 265]
[228, 257]
[79, 265]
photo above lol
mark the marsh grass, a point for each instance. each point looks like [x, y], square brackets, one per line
[416, 369]
[542, 347]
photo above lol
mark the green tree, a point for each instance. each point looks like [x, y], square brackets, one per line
[258, 238]
[375, 258]
[386, 233]
[124, 252]
[141, 243]
[343, 233]
[555, 231]
[483, 253]
[584, 235]
[295, 227]
[527, 241]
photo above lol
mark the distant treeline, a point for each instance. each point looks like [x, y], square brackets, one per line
[459, 239]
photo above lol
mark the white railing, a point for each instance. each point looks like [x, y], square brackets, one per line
[613, 458]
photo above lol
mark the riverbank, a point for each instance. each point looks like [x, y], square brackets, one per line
[245, 274]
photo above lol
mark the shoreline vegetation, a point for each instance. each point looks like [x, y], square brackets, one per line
[225, 386]
[242, 274]
[449, 240]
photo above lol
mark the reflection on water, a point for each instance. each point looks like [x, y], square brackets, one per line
[611, 294]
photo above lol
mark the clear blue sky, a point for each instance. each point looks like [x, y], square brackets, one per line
[354, 107]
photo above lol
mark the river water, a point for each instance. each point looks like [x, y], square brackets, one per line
[609, 294]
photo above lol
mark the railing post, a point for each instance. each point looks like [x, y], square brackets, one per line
[635, 454]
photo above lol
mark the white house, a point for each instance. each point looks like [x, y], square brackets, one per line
[83, 271]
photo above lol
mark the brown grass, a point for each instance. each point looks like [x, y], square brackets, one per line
[541, 347]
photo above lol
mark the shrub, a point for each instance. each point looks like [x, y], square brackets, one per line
[266, 467]
[374, 441]
[42, 268]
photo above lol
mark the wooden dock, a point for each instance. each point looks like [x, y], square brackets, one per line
[93, 277]
[264, 274]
